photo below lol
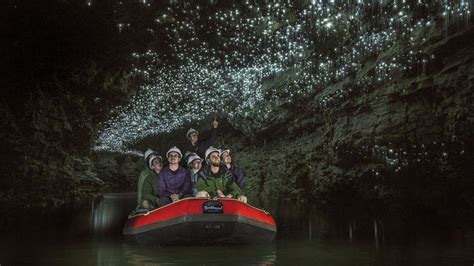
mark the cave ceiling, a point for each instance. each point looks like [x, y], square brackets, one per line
[242, 59]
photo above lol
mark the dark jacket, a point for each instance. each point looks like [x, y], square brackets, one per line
[238, 175]
[149, 189]
[174, 182]
[222, 180]
[202, 145]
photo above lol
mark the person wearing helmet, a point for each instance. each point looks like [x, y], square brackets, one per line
[174, 181]
[200, 146]
[149, 189]
[194, 165]
[215, 180]
[146, 194]
[186, 156]
[234, 170]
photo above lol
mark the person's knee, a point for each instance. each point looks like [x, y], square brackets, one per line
[242, 198]
[146, 204]
[202, 194]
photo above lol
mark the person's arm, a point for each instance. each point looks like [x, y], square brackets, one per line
[148, 190]
[187, 187]
[193, 183]
[211, 141]
[232, 187]
[162, 185]
[189, 184]
[239, 178]
[141, 179]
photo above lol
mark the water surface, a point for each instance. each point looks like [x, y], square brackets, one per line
[305, 237]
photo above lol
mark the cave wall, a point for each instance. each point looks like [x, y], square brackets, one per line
[406, 142]
[48, 131]
[60, 79]
[118, 171]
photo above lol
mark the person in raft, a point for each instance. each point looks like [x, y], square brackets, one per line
[194, 165]
[200, 146]
[234, 170]
[215, 180]
[174, 181]
[146, 193]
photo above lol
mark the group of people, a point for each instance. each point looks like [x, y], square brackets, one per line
[203, 171]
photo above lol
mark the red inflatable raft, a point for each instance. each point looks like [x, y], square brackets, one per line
[200, 221]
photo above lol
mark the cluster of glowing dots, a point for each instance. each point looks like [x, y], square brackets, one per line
[396, 159]
[222, 61]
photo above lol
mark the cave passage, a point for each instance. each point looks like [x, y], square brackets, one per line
[352, 121]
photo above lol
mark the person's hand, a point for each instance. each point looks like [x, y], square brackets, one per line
[215, 124]
[220, 194]
[174, 197]
[243, 198]
[229, 196]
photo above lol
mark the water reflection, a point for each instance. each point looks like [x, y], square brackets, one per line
[110, 213]
[306, 222]
[283, 252]
[306, 236]
[233, 255]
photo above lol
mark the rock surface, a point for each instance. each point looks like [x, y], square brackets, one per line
[408, 140]
[47, 139]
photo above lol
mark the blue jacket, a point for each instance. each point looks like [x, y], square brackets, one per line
[194, 177]
[174, 182]
[238, 175]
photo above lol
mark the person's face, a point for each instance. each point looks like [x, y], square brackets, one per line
[194, 137]
[173, 158]
[157, 166]
[226, 158]
[215, 159]
[197, 164]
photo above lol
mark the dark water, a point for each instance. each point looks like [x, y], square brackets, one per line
[305, 237]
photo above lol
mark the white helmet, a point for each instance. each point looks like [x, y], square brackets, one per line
[193, 158]
[211, 150]
[152, 159]
[147, 153]
[188, 154]
[224, 151]
[174, 149]
[190, 131]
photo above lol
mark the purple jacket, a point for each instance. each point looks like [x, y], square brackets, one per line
[174, 182]
[238, 175]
